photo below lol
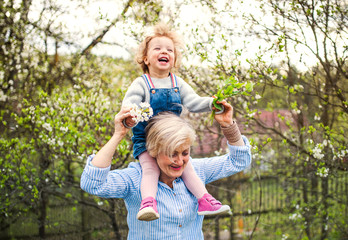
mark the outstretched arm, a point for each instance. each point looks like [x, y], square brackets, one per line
[104, 156]
[228, 126]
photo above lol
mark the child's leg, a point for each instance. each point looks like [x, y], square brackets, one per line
[149, 181]
[151, 172]
[193, 183]
[207, 204]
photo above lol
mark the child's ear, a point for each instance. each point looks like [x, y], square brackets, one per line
[146, 61]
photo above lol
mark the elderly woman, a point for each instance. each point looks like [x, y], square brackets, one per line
[168, 140]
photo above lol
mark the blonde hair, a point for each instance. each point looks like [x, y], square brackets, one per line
[167, 132]
[159, 30]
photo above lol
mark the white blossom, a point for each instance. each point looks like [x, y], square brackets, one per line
[3, 97]
[317, 117]
[295, 216]
[47, 126]
[325, 142]
[297, 111]
[51, 141]
[285, 236]
[250, 115]
[141, 113]
[64, 129]
[298, 87]
[317, 152]
[322, 172]
[273, 77]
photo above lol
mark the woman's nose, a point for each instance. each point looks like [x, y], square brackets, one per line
[179, 160]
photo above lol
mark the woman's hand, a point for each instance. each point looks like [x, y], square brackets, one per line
[103, 157]
[225, 119]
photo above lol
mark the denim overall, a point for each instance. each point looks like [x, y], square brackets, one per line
[161, 99]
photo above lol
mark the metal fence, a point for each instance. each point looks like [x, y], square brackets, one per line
[260, 206]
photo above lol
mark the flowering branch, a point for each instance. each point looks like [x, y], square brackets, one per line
[231, 87]
[141, 113]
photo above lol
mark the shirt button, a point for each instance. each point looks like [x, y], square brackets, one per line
[176, 90]
[180, 210]
[153, 91]
[180, 225]
[174, 194]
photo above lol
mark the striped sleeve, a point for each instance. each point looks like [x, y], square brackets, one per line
[212, 169]
[109, 184]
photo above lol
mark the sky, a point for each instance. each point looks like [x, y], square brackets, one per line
[87, 25]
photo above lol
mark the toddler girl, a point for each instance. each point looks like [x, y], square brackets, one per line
[164, 91]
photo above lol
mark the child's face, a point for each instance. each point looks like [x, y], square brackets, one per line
[160, 57]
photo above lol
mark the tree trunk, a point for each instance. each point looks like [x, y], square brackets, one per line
[43, 201]
[113, 220]
[84, 220]
[229, 196]
[324, 223]
[217, 224]
[306, 214]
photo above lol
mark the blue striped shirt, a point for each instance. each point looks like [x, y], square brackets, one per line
[177, 206]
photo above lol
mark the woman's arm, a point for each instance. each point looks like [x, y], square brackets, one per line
[237, 159]
[229, 126]
[97, 179]
[104, 156]
[239, 156]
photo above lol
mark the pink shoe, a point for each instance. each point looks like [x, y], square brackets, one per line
[208, 205]
[148, 210]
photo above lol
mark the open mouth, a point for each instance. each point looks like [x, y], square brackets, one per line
[163, 59]
[176, 168]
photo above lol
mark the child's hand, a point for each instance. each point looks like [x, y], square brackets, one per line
[129, 122]
[218, 107]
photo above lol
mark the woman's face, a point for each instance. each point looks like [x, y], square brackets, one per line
[173, 167]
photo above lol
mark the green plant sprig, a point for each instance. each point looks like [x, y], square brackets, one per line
[231, 87]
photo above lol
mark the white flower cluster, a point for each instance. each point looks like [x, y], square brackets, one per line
[341, 154]
[47, 126]
[3, 97]
[317, 152]
[322, 172]
[317, 117]
[141, 113]
[285, 236]
[295, 216]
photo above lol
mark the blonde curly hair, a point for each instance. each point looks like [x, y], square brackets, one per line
[159, 30]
